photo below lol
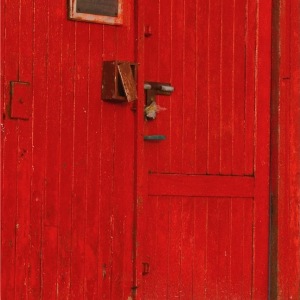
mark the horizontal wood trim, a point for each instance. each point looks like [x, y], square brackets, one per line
[200, 185]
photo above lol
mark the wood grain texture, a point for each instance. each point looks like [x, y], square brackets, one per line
[93, 266]
[52, 152]
[66, 208]
[9, 155]
[199, 248]
[201, 185]
[285, 271]
[213, 83]
[262, 150]
[202, 91]
[209, 121]
[68, 172]
[211, 171]
[294, 159]
[24, 160]
[66, 158]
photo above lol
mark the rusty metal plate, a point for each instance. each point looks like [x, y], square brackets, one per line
[128, 81]
[21, 100]
[99, 7]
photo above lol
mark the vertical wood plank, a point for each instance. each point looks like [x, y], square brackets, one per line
[214, 39]
[119, 198]
[38, 152]
[67, 160]
[162, 244]
[294, 118]
[53, 106]
[262, 96]
[9, 151]
[140, 163]
[150, 248]
[237, 244]
[152, 42]
[250, 86]
[274, 150]
[187, 250]
[152, 55]
[24, 164]
[284, 193]
[176, 132]
[53, 140]
[202, 37]
[175, 247]
[247, 250]
[80, 160]
[200, 248]
[224, 240]
[165, 72]
[106, 222]
[285, 270]
[46, 236]
[49, 262]
[238, 81]
[226, 88]
[189, 107]
[212, 258]
[92, 259]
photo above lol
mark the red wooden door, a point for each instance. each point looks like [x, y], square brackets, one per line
[203, 198]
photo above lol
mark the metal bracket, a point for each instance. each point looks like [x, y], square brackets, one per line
[157, 88]
[119, 81]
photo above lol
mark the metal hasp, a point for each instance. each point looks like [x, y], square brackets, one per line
[119, 81]
[156, 88]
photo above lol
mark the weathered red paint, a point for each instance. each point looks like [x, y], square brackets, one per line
[67, 189]
[20, 102]
[285, 164]
[203, 193]
[200, 218]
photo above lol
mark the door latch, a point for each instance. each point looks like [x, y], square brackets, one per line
[156, 88]
[151, 90]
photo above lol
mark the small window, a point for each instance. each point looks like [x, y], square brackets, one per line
[97, 11]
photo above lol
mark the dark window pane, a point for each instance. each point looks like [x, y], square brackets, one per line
[98, 7]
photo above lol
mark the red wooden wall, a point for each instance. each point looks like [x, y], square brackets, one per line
[67, 173]
[285, 149]
[67, 189]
